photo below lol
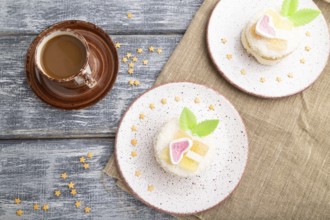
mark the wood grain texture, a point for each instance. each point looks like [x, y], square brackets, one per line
[150, 16]
[23, 115]
[30, 170]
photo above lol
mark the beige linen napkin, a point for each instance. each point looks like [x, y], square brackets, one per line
[288, 171]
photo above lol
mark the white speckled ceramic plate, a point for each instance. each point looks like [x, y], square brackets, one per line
[288, 77]
[159, 189]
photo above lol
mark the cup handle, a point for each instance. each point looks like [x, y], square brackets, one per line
[88, 79]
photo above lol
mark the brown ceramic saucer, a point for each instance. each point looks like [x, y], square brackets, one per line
[105, 68]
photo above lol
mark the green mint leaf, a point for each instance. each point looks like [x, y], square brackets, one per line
[289, 7]
[187, 120]
[304, 16]
[205, 127]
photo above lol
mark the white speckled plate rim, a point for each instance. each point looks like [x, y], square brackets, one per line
[171, 194]
[287, 78]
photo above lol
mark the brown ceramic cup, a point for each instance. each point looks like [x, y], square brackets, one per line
[84, 77]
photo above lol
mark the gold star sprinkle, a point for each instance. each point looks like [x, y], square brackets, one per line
[139, 50]
[137, 173]
[45, 207]
[142, 116]
[87, 209]
[64, 175]
[134, 142]
[151, 49]
[135, 59]
[133, 154]
[77, 204]
[243, 71]
[89, 155]
[82, 159]
[145, 62]
[177, 98]
[131, 82]
[129, 15]
[131, 65]
[19, 212]
[163, 101]
[86, 166]
[197, 100]
[308, 34]
[117, 45]
[151, 188]
[57, 193]
[262, 80]
[229, 56]
[159, 51]
[124, 59]
[134, 128]
[302, 61]
[35, 206]
[211, 108]
[136, 82]
[223, 40]
[18, 201]
[308, 48]
[278, 79]
[290, 75]
[152, 106]
[130, 71]
[73, 192]
[71, 185]
[128, 55]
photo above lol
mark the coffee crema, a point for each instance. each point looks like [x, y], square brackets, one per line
[63, 56]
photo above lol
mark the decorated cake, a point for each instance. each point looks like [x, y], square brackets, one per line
[184, 147]
[272, 35]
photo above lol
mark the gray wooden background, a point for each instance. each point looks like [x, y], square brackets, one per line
[38, 142]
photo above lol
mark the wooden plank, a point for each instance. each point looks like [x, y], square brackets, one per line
[23, 115]
[31, 169]
[150, 16]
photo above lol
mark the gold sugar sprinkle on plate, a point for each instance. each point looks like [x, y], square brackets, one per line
[223, 40]
[136, 82]
[150, 188]
[262, 79]
[302, 61]
[89, 155]
[86, 166]
[131, 82]
[308, 34]
[82, 159]
[64, 175]
[45, 207]
[307, 48]
[124, 59]
[163, 101]
[71, 185]
[117, 45]
[177, 98]
[77, 204]
[145, 62]
[197, 100]
[73, 192]
[57, 193]
[229, 56]
[141, 116]
[278, 79]
[152, 106]
[290, 75]
[134, 128]
[151, 49]
[87, 209]
[18, 201]
[137, 173]
[134, 142]
[211, 108]
[135, 59]
[243, 71]
[130, 71]
[19, 212]
[131, 65]
[139, 50]
[128, 55]
[35, 206]
[129, 15]
[133, 154]
[159, 50]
